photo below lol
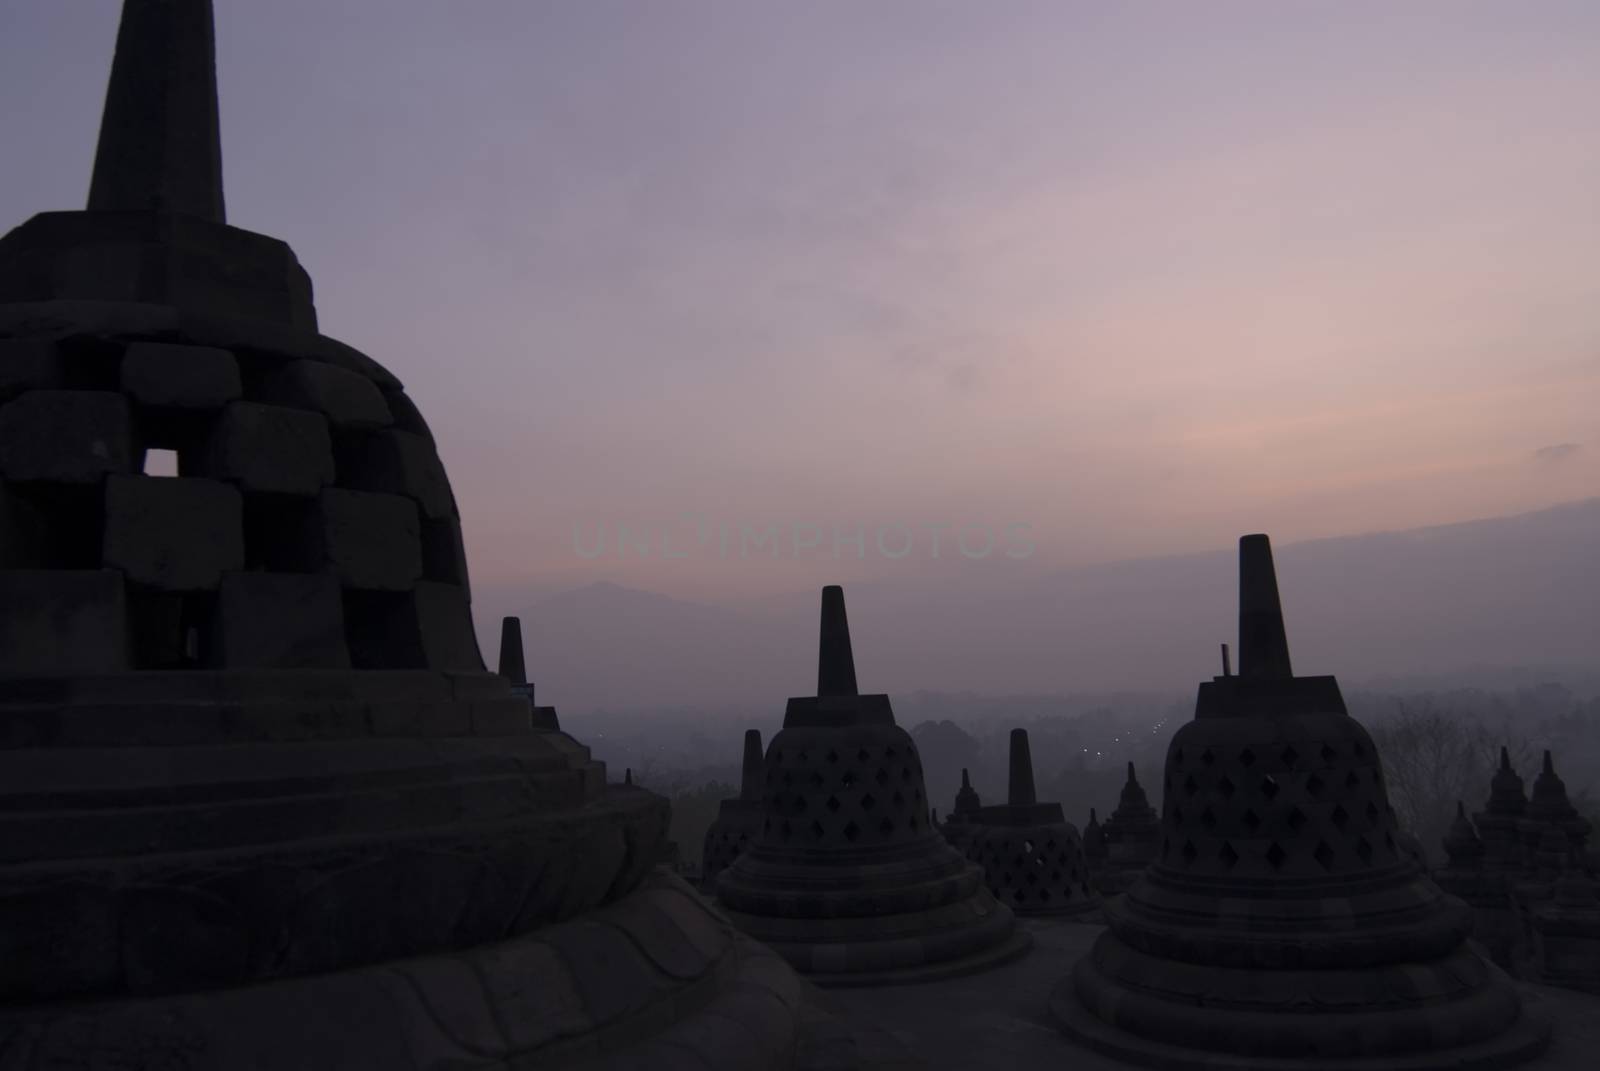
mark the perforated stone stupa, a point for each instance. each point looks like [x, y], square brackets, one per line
[1282, 924]
[740, 819]
[264, 806]
[1032, 857]
[849, 881]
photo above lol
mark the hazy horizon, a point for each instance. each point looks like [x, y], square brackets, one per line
[1139, 277]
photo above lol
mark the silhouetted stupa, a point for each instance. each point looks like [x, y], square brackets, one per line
[849, 881]
[1031, 855]
[264, 806]
[1132, 837]
[739, 820]
[1282, 926]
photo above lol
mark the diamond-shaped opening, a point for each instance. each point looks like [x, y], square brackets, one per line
[800, 756]
[832, 756]
[1269, 787]
[1226, 787]
[1328, 754]
[882, 777]
[816, 779]
[1208, 819]
[1340, 816]
[848, 780]
[886, 826]
[862, 756]
[816, 830]
[833, 804]
[1247, 757]
[1189, 851]
[867, 802]
[799, 805]
[1315, 785]
[1351, 779]
[788, 779]
[1323, 854]
[1372, 812]
[889, 752]
[1177, 756]
[1276, 855]
[1297, 819]
[1364, 849]
[1207, 758]
[1228, 856]
[1252, 821]
[851, 831]
[1190, 786]
[1289, 755]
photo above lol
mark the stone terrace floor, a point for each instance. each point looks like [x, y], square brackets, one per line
[996, 1021]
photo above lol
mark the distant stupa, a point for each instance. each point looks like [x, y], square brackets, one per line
[1282, 924]
[739, 820]
[849, 881]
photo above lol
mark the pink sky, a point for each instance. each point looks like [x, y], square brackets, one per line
[1143, 276]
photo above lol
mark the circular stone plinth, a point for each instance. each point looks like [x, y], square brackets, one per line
[1013, 947]
[1524, 1040]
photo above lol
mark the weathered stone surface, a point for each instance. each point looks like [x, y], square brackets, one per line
[444, 619]
[346, 398]
[65, 436]
[183, 377]
[175, 534]
[27, 364]
[371, 540]
[280, 621]
[395, 462]
[62, 621]
[21, 529]
[270, 448]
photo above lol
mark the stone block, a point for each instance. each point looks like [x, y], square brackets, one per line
[444, 556]
[62, 621]
[28, 364]
[395, 462]
[407, 417]
[270, 448]
[173, 534]
[444, 620]
[65, 436]
[21, 530]
[280, 621]
[348, 399]
[182, 377]
[371, 540]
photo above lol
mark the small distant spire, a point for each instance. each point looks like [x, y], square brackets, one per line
[966, 782]
[627, 776]
[160, 143]
[836, 664]
[1263, 644]
[1549, 766]
[1132, 780]
[753, 777]
[512, 666]
[1092, 817]
[1227, 667]
[1020, 791]
[1505, 759]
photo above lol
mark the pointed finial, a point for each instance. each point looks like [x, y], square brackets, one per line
[1505, 759]
[1461, 811]
[627, 776]
[160, 138]
[1132, 780]
[935, 813]
[966, 782]
[511, 665]
[836, 665]
[753, 777]
[1549, 766]
[1227, 667]
[1020, 791]
[1092, 817]
[1263, 645]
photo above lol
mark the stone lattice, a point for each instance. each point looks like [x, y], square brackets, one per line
[849, 880]
[1282, 925]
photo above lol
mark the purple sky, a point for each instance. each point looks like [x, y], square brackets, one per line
[1142, 276]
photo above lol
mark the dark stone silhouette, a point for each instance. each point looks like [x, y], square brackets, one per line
[513, 668]
[264, 806]
[1282, 922]
[1132, 838]
[739, 820]
[1032, 857]
[849, 880]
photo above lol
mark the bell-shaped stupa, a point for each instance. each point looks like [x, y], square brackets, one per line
[961, 826]
[1132, 836]
[849, 881]
[264, 805]
[1032, 857]
[1282, 925]
[739, 820]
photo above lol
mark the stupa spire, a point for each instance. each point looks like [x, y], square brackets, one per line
[752, 778]
[512, 667]
[836, 664]
[1020, 792]
[1263, 644]
[160, 138]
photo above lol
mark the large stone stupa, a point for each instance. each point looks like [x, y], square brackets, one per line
[849, 881]
[1282, 924]
[262, 804]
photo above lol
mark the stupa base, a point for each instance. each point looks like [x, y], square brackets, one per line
[656, 980]
[1522, 1040]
